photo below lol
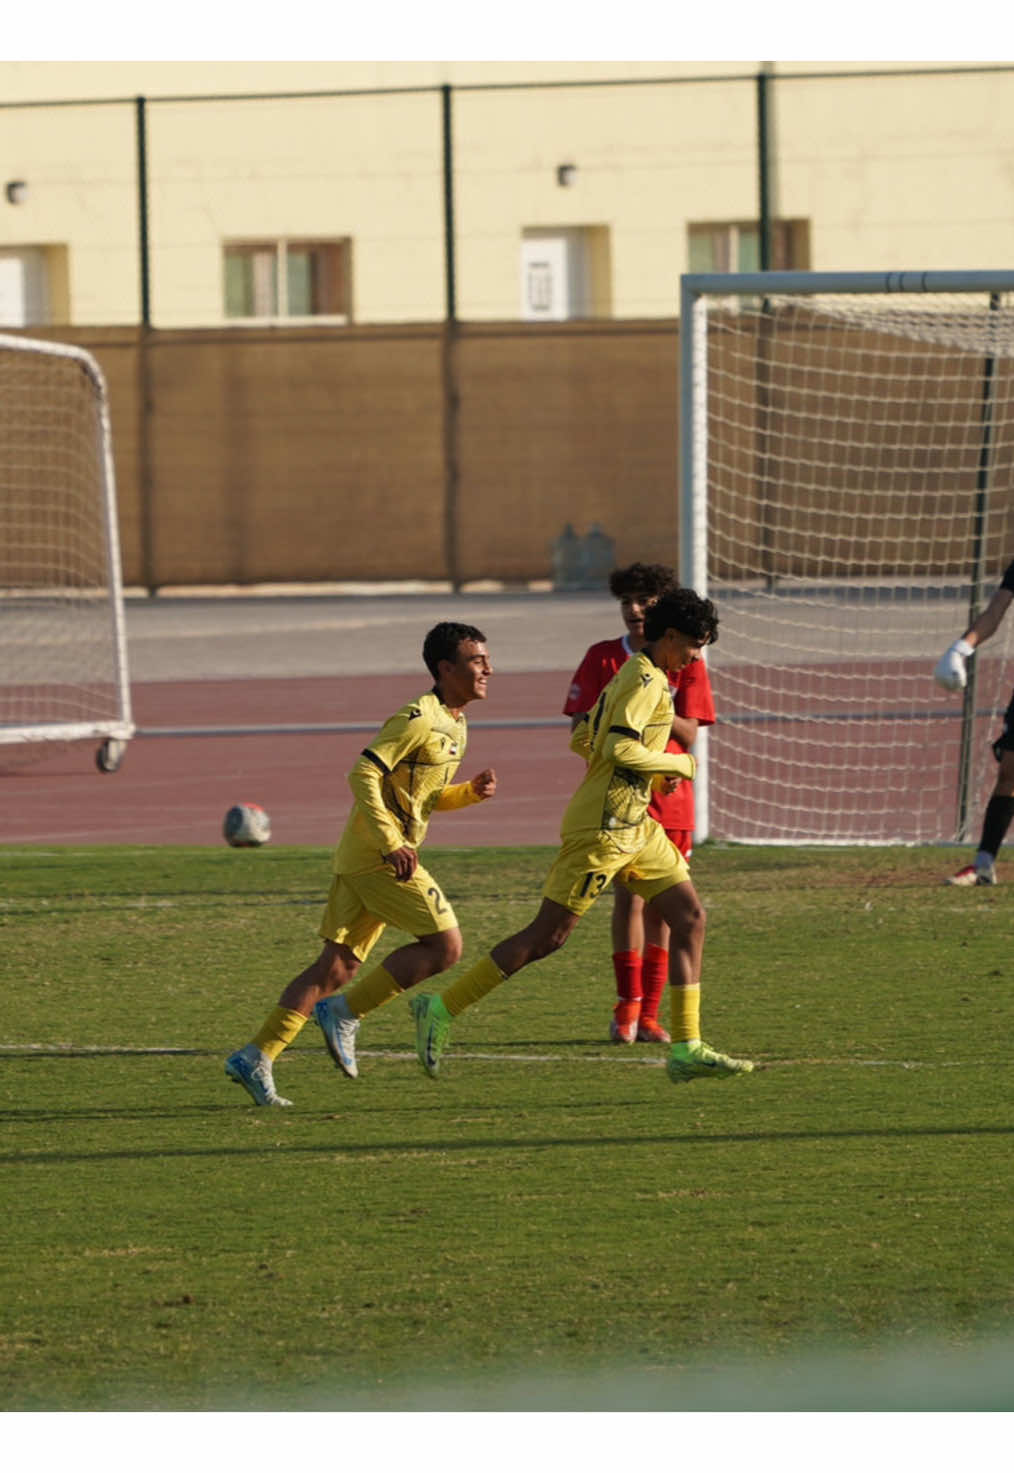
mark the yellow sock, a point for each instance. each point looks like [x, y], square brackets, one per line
[280, 1028]
[686, 1014]
[371, 991]
[471, 986]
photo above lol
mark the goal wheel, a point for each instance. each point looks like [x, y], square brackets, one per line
[110, 754]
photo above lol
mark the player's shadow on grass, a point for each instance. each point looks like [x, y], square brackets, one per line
[272, 1149]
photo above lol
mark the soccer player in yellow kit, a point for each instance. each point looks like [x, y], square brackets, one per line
[404, 774]
[607, 833]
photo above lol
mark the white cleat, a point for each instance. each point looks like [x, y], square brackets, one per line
[339, 1026]
[971, 875]
[252, 1069]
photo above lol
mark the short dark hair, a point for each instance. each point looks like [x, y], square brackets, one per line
[685, 610]
[650, 580]
[442, 643]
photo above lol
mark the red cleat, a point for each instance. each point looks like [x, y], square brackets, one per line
[623, 1028]
[651, 1031]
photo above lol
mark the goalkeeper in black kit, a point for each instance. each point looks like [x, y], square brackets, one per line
[951, 672]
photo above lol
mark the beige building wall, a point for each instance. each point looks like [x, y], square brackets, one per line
[890, 172]
[79, 167]
[901, 172]
[648, 160]
[361, 167]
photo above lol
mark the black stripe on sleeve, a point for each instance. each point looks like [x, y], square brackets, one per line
[372, 757]
[625, 731]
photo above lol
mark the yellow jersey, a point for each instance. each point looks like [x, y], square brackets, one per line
[623, 740]
[401, 777]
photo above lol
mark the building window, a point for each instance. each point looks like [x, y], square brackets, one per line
[734, 245]
[34, 285]
[287, 279]
[565, 273]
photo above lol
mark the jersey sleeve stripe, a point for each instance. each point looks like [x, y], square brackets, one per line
[372, 757]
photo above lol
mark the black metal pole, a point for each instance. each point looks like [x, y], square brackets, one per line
[977, 580]
[764, 170]
[141, 116]
[451, 395]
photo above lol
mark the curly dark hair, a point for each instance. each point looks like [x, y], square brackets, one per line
[650, 580]
[685, 610]
[442, 643]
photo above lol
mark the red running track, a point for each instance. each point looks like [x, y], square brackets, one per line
[176, 789]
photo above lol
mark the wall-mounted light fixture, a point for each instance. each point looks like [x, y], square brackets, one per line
[565, 175]
[16, 191]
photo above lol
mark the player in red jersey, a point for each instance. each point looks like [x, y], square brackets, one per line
[640, 937]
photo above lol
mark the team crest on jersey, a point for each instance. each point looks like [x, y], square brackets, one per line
[646, 678]
[448, 746]
[413, 713]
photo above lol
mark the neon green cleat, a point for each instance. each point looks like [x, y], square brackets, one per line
[700, 1061]
[432, 1030]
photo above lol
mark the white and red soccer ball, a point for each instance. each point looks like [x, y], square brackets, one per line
[246, 826]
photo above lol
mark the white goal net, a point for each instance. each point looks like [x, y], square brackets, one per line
[63, 665]
[847, 483]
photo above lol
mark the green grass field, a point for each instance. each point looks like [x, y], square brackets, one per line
[551, 1225]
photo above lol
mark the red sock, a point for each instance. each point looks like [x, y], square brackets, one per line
[627, 968]
[654, 976]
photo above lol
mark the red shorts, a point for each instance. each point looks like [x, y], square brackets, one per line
[683, 839]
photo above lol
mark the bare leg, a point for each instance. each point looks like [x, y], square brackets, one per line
[424, 957]
[656, 930]
[540, 938]
[335, 966]
[681, 910]
[628, 920]
[402, 969]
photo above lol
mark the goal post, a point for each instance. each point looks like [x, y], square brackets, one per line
[63, 648]
[847, 499]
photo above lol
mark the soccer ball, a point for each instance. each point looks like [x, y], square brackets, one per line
[246, 825]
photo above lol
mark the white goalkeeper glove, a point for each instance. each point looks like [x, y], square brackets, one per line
[950, 671]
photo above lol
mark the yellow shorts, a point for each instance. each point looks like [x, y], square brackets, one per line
[360, 906]
[590, 859]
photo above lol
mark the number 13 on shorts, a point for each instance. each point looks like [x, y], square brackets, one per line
[593, 885]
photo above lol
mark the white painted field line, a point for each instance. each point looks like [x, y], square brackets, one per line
[71, 1050]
